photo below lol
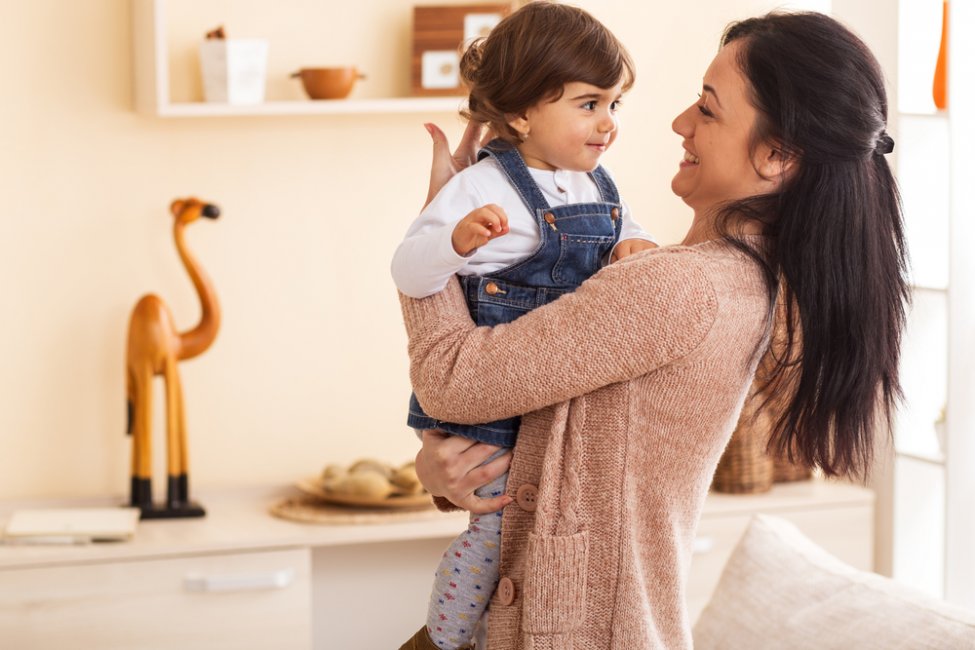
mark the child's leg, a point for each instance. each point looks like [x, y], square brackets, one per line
[467, 576]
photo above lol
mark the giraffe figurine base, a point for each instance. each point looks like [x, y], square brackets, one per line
[177, 505]
[165, 511]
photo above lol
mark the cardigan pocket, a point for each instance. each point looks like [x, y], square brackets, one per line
[555, 583]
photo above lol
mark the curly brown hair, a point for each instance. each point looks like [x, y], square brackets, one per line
[530, 56]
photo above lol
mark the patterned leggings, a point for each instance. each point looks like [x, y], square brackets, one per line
[467, 576]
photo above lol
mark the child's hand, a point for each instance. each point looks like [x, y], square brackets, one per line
[630, 246]
[478, 228]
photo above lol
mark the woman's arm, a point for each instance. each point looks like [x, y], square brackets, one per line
[629, 319]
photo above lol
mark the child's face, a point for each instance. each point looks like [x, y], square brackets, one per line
[573, 131]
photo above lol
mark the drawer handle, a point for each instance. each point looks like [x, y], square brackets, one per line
[280, 579]
[703, 544]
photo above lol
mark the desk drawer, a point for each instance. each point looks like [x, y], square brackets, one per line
[245, 600]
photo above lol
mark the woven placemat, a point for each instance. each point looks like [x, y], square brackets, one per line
[312, 511]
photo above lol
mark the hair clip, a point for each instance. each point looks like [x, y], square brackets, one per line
[885, 144]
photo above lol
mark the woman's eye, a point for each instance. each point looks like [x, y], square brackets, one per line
[703, 106]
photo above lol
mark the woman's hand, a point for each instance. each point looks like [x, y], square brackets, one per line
[446, 164]
[452, 467]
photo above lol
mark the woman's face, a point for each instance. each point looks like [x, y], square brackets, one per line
[717, 164]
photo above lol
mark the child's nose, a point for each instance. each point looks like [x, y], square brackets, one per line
[607, 124]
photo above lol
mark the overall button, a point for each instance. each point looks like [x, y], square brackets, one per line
[506, 591]
[614, 214]
[527, 497]
[491, 289]
[550, 220]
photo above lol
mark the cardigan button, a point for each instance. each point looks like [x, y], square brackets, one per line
[527, 497]
[506, 591]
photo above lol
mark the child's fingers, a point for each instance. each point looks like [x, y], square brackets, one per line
[482, 229]
[622, 250]
[483, 506]
[494, 217]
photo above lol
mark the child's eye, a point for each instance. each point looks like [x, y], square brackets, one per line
[590, 106]
[615, 106]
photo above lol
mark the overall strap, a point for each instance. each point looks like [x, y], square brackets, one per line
[607, 188]
[514, 167]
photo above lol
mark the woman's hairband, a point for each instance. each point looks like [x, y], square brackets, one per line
[885, 144]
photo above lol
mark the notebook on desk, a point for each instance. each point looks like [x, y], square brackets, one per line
[71, 525]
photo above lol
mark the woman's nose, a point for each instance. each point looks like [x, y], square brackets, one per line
[683, 124]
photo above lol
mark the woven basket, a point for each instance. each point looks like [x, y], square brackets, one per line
[746, 465]
[785, 472]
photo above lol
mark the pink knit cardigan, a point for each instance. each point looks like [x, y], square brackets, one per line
[632, 386]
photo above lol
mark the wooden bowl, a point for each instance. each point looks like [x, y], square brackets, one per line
[328, 83]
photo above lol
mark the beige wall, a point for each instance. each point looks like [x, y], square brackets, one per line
[310, 365]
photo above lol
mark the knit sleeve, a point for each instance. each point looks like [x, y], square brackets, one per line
[631, 318]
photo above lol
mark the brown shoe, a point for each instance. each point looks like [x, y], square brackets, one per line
[422, 641]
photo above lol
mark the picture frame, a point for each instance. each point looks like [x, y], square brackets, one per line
[439, 35]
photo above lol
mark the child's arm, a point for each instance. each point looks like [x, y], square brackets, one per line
[424, 262]
[478, 228]
[426, 258]
[633, 238]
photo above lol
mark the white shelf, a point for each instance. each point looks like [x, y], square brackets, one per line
[151, 83]
[922, 457]
[313, 107]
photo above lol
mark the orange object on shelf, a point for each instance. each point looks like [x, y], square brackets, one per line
[939, 89]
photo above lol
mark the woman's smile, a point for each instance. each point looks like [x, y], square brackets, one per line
[689, 160]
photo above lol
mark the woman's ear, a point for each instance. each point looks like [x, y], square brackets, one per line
[775, 163]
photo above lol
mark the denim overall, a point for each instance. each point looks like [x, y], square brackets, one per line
[575, 241]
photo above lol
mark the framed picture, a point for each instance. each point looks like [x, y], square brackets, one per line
[439, 35]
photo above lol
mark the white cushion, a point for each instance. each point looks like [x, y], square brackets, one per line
[780, 590]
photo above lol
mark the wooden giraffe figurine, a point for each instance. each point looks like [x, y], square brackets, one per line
[154, 348]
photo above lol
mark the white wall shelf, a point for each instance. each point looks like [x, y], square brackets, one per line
[311, 107]
[151, 83]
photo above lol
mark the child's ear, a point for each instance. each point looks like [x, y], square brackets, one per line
[519, 123]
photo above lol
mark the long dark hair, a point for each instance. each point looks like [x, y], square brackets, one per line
[530, 55]
[835, 254]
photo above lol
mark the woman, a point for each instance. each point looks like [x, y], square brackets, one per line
[632, 385]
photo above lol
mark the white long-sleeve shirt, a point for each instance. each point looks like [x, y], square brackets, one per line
[426, 258]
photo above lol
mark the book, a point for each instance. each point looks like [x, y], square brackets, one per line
[71, 525]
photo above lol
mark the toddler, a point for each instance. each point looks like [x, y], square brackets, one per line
[530, 221]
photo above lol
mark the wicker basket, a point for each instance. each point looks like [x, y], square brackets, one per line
[746, 465]
[785, 472]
